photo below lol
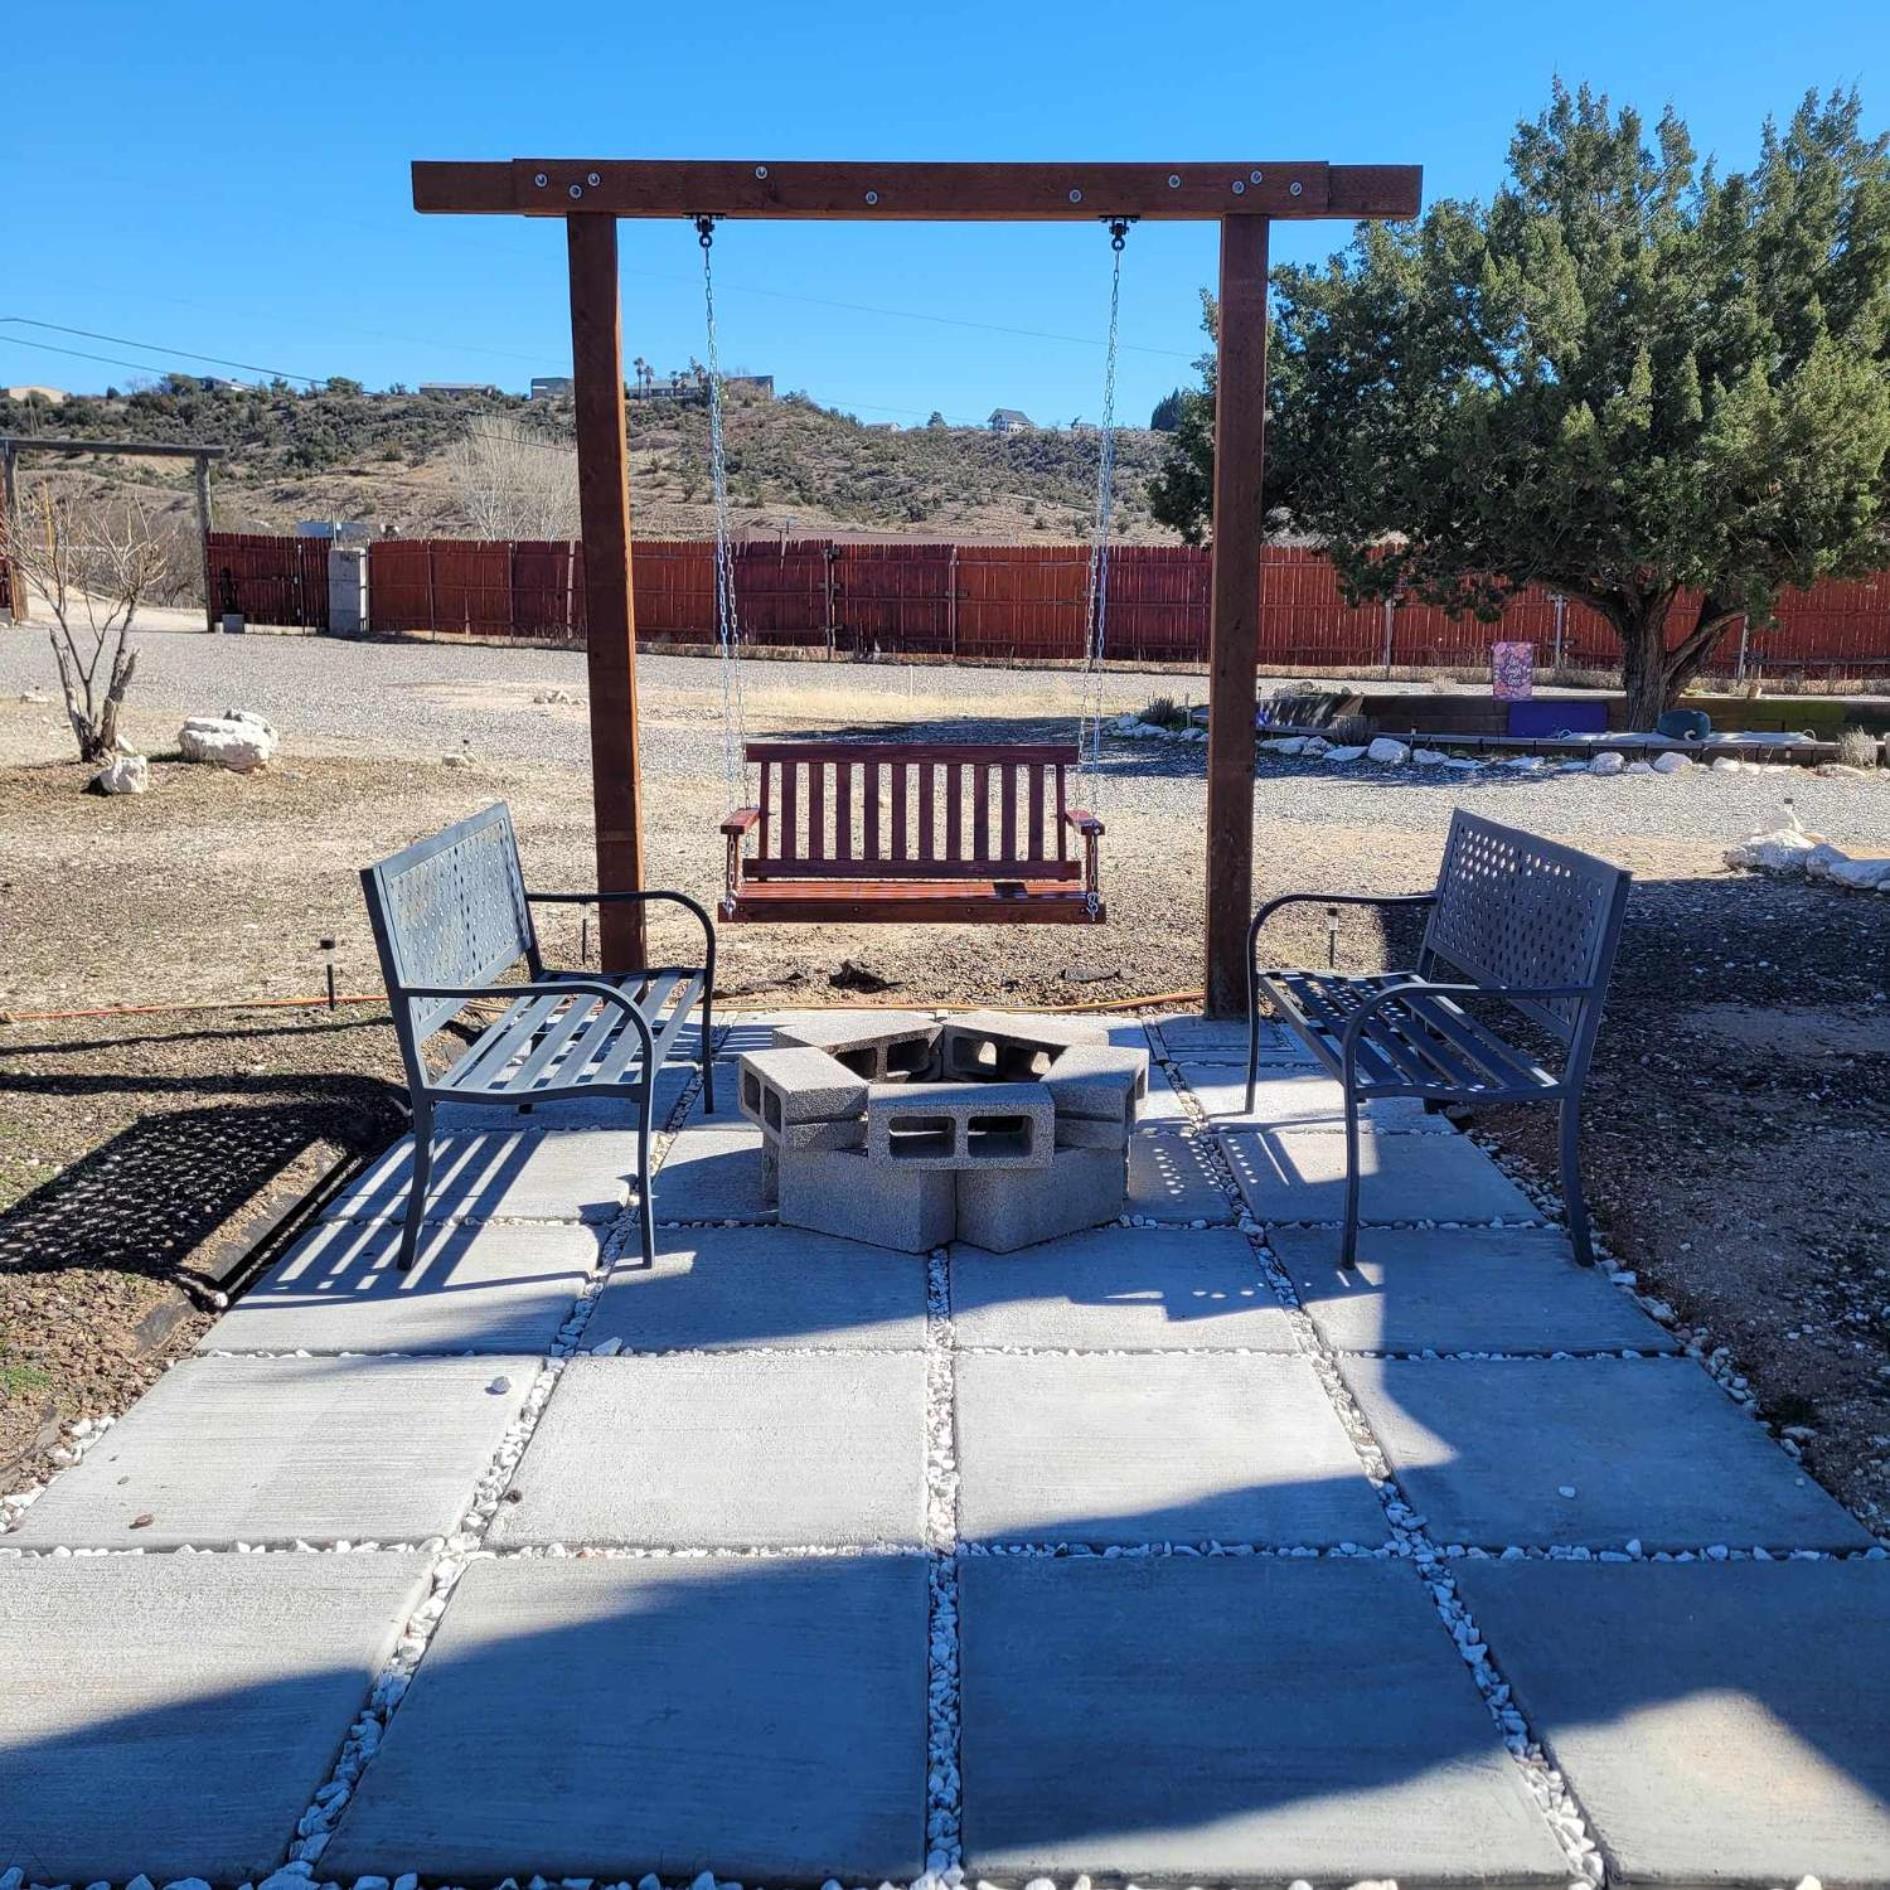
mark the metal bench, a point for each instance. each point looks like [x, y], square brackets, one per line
[1512, 917]
[451, 916]
[963, 833]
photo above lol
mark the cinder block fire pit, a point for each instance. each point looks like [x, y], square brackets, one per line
[997, 1130]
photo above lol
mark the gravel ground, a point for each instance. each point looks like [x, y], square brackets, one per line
[1737, 1114]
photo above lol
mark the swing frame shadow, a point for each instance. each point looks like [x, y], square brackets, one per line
[590, 194]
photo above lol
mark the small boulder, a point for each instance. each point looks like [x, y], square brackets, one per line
[1783, 850]
[1727, 764]
[1841, 771]
[1640, 767]
[1315, 745]
[124, 774]
[1429, 757]
[238, 739]
[1384, 749]
[1608, 763]
[1285, 745]
[1672, 762]
[1348, 753]
[1864, 875]
[1462, 764]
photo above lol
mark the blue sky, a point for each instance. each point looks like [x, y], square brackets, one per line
[232, 178]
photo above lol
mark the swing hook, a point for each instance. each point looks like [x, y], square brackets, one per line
[705, 231]
[1118, 231]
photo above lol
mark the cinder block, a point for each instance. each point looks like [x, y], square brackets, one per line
[770, 1172]
[884, 1204]
[960, 1125]
[880, 1046]
[1003, 1210]
[850, 1133]
[1099, 1083]
[796, 1085]
[1083, 1132]
[1007, 1048]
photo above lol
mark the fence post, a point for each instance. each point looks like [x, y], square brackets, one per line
[1561, 618]
[1745, 635]
[832, 555]
[951, 603]
[1391, 614]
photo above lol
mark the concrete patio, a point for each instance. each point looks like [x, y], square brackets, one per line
[1160, 1552]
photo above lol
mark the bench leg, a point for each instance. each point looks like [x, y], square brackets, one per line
[417, 1187]
[1348, 1242]
[1572, 1182]
[1253, 1030]
[646, 1206]
[708, 1046]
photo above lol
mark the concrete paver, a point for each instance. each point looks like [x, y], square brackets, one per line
[1155, 1447]
[1719, 1723]
[720, 1288]
[475, 1286]
[1470, 1289]
[712, 1173]
[1593, 1451]
[1298, 1175]
[1229, 1719]
[1168, 1183]
[763, 1717]
[1304, 1098]
[175, 1714]
[269, 1450]
[726, 1450]
[577, 1174]
[1119, 1289]
[1224, 1040]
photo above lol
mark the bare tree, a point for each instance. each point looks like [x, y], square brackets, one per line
[94, 565]
[512, 482]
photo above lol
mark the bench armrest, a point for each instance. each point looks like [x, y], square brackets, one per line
[1082, 820]
[742, 820]
[628, 898]
[1330, 899]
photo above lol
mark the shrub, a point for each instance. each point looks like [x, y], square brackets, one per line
[1857, 748]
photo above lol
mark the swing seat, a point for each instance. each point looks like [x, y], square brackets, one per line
[893, 833]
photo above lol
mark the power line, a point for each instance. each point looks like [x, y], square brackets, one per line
[154, 347]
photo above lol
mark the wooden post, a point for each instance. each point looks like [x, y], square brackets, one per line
[1240, 398]
[203, 536]
[611, 638]
[9, 525]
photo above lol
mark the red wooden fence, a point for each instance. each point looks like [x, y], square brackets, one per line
[991, 602]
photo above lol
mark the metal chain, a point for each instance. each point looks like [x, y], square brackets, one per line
[1090, 716]
[728, 630]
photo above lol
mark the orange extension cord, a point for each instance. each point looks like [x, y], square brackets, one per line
[375, 997]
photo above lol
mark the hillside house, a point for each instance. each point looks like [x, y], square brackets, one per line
[551, 387]
[1010, 420]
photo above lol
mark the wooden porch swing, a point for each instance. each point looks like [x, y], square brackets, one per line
[939, 838]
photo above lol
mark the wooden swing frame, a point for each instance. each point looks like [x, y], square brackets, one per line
[590, 194]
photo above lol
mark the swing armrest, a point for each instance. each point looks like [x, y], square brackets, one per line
[1082, 820]
[741, 821]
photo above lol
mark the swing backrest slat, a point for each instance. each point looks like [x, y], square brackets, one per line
[896, 839]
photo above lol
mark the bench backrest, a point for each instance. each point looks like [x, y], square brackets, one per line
[1515, 909]
[449, 910]
[912, 810]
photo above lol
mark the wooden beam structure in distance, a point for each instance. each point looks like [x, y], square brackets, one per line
[12, 445]
[1244, 198]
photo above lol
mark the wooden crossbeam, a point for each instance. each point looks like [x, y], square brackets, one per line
[560, 187]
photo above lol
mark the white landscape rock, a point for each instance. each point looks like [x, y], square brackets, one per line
[1727, 764]
[1391, 753]
[1671, 762]
[1607, 762]
[1864, 875]
[124, 774]
[1429, 757]
[1640, 767]
[1285, 745]
[238, 739]
[1350, 752]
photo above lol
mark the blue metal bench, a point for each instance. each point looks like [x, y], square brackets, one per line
[451, 916]
[1512, 917]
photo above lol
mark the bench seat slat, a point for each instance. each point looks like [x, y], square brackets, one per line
[493, 1048]
[1427, 1042]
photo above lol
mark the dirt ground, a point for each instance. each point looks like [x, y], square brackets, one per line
[1734, 1137]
